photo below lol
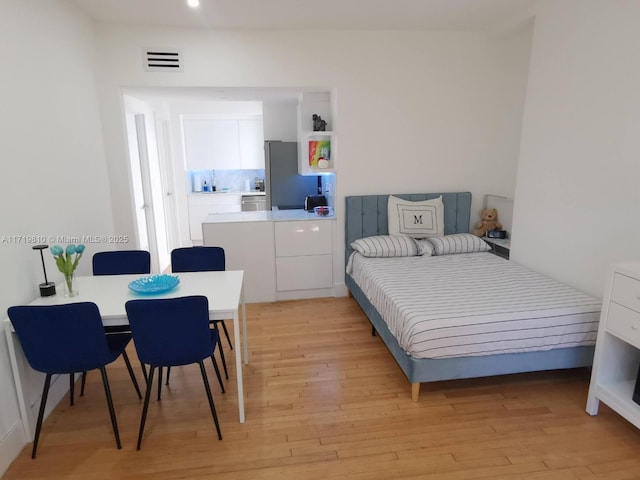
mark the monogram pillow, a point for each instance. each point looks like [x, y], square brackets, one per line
[416, 219]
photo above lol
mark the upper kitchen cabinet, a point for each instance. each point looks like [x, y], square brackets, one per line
[224, 143]
[317, 150]
[251, 142]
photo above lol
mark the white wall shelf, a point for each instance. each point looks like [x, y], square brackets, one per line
[309, 104]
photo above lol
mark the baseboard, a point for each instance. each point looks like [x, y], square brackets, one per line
[11, 446]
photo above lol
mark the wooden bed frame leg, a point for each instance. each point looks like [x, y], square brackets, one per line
[415, 391]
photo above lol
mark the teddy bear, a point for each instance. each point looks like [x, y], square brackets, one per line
[488, 221]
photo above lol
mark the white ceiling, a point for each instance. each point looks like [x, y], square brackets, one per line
[477, 15]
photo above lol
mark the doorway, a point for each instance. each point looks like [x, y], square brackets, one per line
[151, 186]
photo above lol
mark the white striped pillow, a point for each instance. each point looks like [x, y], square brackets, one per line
[386, 246]
[458, 243]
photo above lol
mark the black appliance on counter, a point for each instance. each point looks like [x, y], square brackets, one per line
[314, 201]
[285, 188]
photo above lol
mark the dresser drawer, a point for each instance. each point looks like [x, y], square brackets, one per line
[624, 323]
[304, 272]
[626, 291]
[303, 238]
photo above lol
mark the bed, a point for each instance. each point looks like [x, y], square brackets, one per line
[538, 324]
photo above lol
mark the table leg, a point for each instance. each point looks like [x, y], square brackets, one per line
[28, 430]
[237, 349]
[244, 328]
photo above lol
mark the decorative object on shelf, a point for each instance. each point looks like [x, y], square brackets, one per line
[67, 261]
[488, 221]
[154, 284]
[319, 150]
[319, 125]
[47, 289]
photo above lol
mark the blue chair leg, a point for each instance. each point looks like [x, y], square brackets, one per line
[43, 403]
[72, 384]
[215, 367]
[129, 369]
[224, 362]
[226, 332]
[112, 413]
[84, 380]
[131, 374]
[210, 398]
[159, 381]
[145, 408]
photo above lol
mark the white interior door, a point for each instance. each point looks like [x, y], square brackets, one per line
[172, 237]
[144, 203]
[140, 210]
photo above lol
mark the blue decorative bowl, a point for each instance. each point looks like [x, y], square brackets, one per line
[154, 284]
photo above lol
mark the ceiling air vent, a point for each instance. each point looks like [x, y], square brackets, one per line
[162, 60]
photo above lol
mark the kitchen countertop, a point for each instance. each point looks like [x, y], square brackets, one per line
[244, 193]
[265, 216]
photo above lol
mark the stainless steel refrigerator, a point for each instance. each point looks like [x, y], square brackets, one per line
[284, 187]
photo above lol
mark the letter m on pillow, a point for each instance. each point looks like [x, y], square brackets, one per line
[415, 219]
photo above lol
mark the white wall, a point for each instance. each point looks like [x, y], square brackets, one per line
[279, 120]
[425, 106]
[53, 180]
[577, 197]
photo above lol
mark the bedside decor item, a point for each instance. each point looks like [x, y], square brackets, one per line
[67, 261]
[488, 221]
[154, 284]
[496, 234]
[47, 289]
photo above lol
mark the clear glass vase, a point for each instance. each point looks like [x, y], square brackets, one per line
[70, 287]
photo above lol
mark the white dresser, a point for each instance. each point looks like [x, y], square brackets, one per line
[304, 255]
[617, 355]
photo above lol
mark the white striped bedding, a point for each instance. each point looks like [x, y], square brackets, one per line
[474, 304]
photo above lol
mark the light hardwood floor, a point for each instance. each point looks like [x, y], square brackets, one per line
[325, 401]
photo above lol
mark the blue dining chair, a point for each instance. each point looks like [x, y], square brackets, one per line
[202, 259]
[121, 262]
[169, 332]
[65, 339]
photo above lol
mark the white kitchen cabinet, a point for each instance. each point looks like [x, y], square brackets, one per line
[224, 143]
[617, 355]
[198, 144]
[201, 205]
[283, 259]
[304, 255]
[247, 246]
[251, 144]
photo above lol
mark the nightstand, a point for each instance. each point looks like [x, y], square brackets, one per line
[499, 246]
[614, 376]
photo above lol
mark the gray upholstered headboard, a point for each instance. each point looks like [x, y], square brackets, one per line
[366, 215]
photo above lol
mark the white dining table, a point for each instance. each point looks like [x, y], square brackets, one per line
[223, 289]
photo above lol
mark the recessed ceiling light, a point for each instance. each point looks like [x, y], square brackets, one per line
[193, 3]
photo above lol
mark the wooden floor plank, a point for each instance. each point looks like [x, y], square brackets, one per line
[325, 401]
